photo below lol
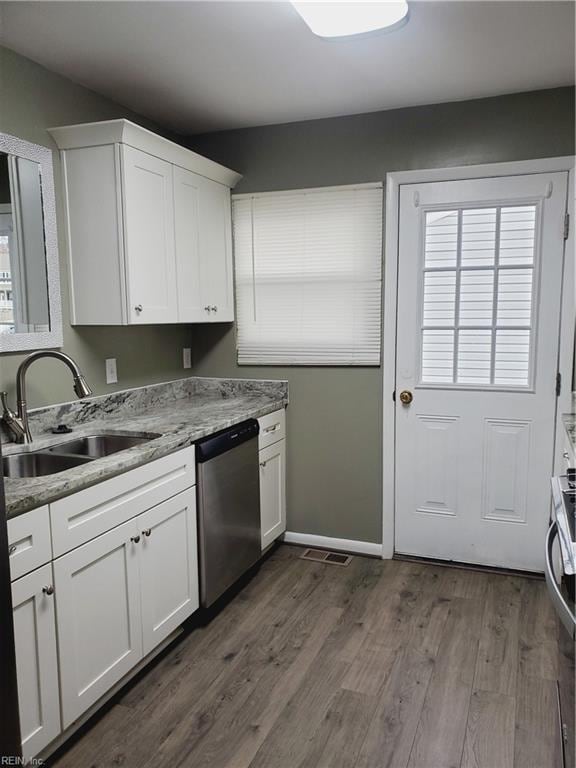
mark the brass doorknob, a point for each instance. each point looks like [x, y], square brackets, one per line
[406, 397]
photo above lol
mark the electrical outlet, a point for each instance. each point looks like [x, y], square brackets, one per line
[111, 372]
[187, 357]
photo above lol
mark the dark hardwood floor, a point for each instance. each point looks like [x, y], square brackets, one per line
[380, 664]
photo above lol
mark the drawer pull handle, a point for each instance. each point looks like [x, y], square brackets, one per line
[135, 539]
[49, 590]
[214, 308]
[12, 549]
[207, 309]
[138, 308]
[566, 455]
[263, 463]
[272, 428]
[147, 532]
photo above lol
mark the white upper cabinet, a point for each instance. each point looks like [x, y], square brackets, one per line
[216, 251]
[149, 238]
[203, 249]
[187, 238]
[148, 228]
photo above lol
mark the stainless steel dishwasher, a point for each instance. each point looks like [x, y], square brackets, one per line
[228, 494]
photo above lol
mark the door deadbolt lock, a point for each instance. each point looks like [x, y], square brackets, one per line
[406, 397]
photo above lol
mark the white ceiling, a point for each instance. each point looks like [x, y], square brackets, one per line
[211, 65]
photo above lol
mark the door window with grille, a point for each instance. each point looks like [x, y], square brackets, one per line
[479, 284]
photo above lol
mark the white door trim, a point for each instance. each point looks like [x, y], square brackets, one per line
[390, 291]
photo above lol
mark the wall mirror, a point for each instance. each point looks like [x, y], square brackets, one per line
[30, 309]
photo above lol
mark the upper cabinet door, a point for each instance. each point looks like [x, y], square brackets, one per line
[216, 251]
[149, 238]
[191, 309]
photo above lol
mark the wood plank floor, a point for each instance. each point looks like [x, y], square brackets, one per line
[383, 664]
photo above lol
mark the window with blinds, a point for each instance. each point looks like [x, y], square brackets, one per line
[308, 276]
[478, 298]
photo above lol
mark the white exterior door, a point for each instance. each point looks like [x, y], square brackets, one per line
[168, 567]
[479, 288]
[149, 238]
[36, 660]
[98, 617]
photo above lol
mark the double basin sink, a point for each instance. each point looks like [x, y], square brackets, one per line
[72, 453]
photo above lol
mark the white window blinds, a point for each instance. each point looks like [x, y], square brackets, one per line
[308, 276]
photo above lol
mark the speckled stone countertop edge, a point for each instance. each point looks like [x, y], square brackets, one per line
[179, 423]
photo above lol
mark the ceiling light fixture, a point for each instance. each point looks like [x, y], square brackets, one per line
[340, 18]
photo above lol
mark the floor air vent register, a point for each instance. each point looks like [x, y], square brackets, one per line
[322, 556]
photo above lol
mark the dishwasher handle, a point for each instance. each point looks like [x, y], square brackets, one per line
[226, 440]
[565, 615]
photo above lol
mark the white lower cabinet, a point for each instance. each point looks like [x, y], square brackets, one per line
[120, 595]
[36, 660]
[272, 492]
[168, 567]
[98, 617]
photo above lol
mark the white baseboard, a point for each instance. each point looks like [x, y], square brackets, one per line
[327, 542]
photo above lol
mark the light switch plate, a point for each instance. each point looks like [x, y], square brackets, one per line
[187, 357]
[111, 372]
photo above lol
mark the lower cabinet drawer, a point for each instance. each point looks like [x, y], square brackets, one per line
[29, 542]
[82, 516]
[272, 428]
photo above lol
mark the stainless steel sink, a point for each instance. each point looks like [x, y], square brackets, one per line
[38, 464]
[72, 453]
[96, 446]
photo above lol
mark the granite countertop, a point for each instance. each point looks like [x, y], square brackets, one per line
[182, 412]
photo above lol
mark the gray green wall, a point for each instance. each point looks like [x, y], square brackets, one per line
[335, 414]
[33, 99]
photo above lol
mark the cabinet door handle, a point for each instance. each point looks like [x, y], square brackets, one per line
[207, 309]
[566, 455]
[12, 549]
[138, 308]
[263, 463]
[214, 308]
[147, 531]
[135, 539]
[48, 590]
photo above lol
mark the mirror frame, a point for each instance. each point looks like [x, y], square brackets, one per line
[21, 342]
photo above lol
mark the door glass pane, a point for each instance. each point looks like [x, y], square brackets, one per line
[477, 318]
[478, 237]
[517, 231]
[512, 358]
[439, 298]
[474, 357]
[514, 297]
[476, 297]
[441, 238]
[438, 356]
